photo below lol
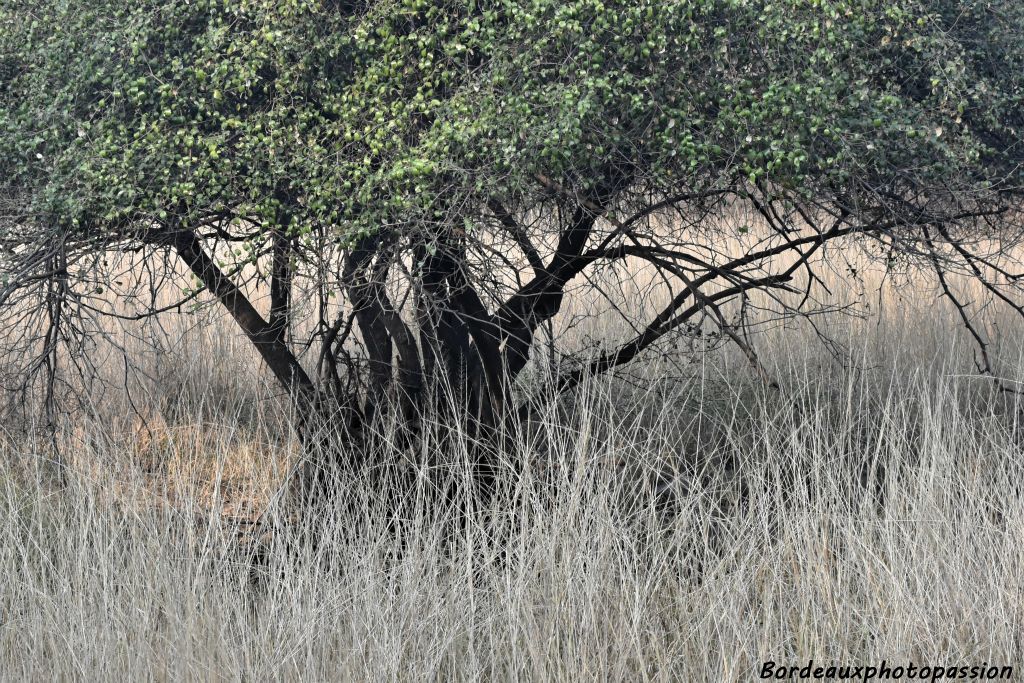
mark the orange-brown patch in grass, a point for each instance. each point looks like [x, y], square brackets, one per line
[209, 468]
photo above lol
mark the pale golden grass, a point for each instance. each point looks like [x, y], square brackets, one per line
[701, 524]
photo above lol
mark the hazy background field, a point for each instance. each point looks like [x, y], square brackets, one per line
[702, 523]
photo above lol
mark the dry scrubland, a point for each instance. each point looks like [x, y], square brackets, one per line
[701, 522]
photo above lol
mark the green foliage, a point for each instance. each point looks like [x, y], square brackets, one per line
[119, 117]
[167, 111]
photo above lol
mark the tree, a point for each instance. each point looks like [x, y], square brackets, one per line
[482, 157]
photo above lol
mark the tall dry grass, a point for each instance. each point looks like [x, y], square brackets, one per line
[687, 524]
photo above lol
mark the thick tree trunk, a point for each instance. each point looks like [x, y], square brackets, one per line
[383, 332]
[443, 336]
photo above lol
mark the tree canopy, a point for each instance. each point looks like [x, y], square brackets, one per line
[394, 112]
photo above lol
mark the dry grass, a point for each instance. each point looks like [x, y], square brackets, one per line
[687, 527]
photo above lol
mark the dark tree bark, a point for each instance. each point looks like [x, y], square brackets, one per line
[266, 339]
[282, 272]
